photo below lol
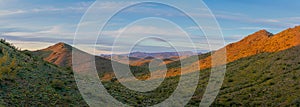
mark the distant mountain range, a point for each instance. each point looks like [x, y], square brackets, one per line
[142, 58]
[259, 42]
[162, 55]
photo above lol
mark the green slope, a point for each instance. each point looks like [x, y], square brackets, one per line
[34, 82]
[267, 79]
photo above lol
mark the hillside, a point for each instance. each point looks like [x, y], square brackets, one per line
[262, 70]
[265, 79]
[266, 76]
[29, 81]
[258, 42]
[59, 54]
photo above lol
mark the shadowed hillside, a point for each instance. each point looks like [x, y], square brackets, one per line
[59, 54]
[256, 43]
[267, 76]
[265, 79]
[26, 80]
[262, 70]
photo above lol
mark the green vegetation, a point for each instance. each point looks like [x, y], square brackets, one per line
[266, 79]
[8, 66]
[30, 81]
[188, 60]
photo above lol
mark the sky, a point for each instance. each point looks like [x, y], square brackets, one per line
[36, 24]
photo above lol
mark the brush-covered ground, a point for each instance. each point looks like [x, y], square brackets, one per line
[266, 79]
[27, 80]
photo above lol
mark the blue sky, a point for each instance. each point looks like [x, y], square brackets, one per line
[36, 24]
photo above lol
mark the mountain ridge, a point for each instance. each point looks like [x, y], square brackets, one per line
[258, 42]
[31, 81]
[261, 41]
[59, 54]
[264, 72]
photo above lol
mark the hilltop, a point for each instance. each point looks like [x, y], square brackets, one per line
[59, 54]
[258, 42]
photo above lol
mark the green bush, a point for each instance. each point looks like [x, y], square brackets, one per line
[8, 67]
[57, 84]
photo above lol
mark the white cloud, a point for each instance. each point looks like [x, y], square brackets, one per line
[11, 12]
[30, 45]
[111, 6]
[52, 9]
[203, 27]
[74, 8]
[91, 49]
[53, 31]
[274, 22]
[144, 30]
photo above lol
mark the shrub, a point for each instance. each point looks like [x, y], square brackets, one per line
[271, 83]
[57, 84]
[8, 67]
[296, 102]
[230, 80]
[3, 41]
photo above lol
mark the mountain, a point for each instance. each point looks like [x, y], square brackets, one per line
[59, 54]
[26, 80]
[259, 42]
[264, 79]
[161, 55]
[262, 70]
[29, 79]
[143, 58]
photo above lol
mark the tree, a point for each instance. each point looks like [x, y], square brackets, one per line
[7, 67]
